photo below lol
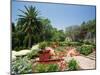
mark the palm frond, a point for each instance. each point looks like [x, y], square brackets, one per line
[22, 16]
[26, 9]
[23, 12]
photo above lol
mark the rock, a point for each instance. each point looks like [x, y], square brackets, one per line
[13, 57]
[23, 52]
[20, 53]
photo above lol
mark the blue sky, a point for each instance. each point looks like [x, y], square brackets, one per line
[60, 15]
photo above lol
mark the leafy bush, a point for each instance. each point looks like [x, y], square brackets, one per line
[21, 66]
[53, 67]
[85, 49]
[46, 68]
[73, 65]
[33, 54]
[42, 45]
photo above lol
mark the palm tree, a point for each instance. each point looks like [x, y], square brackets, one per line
[28, 21]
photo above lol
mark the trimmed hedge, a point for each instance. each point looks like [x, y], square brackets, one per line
[85, 49]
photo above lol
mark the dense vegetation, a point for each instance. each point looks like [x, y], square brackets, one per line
[86, 49]
[46, 68]
[31, 29]
[20, 66]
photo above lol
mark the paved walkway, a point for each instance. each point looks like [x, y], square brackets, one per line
[84, 62]
[92, 56]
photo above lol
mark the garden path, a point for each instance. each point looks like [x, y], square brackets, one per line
[84, 61]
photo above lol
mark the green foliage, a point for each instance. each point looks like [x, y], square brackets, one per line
[42, 45]
[62, 43]
[21, 66]
[58, 35]
[73, 65]
[33, 54]
[85, 49]
[46, 68]
[77, 33]
[29, 20]
[53, 67]
[87, 42]
[75, 43]
[31, 29]
[70, 43]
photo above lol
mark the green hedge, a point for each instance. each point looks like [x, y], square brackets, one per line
[85, 49]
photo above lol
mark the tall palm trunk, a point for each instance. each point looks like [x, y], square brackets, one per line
[29, 42]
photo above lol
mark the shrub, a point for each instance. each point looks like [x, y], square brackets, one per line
[46, 68]
[85, 49]
[73, 65]
[52, 68]
[21, 66]
[40, 68]
[33, 54]
[43, 45]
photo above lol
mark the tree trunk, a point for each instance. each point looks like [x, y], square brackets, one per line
[29, 43]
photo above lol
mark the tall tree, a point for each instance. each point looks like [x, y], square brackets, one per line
[29, 22]
[47, 29]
